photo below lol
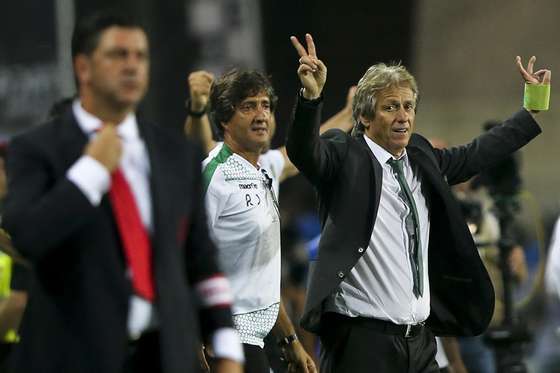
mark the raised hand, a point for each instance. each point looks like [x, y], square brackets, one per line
[312, 71]
[199, 89]
[106, 147]
[541, 76]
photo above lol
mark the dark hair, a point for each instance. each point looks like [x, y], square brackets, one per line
[231, 89]
[87, 31]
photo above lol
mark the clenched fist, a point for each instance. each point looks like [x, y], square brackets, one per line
[199, 89]
[106, 147]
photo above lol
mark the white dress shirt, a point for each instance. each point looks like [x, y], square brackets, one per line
[380, 284]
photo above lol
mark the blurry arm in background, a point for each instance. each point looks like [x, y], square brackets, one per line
[453, 354]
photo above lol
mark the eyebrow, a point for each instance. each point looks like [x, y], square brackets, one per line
[255, 100]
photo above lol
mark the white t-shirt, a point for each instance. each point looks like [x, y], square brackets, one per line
[244, 223]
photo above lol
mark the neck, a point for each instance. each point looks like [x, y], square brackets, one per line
[108, 113]
[250, 155]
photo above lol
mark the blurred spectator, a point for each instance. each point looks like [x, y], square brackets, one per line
[547, 356]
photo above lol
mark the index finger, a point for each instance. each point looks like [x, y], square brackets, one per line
[310, 45]
[299, 48]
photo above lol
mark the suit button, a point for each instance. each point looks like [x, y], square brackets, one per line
[361, 250]
[340, 274]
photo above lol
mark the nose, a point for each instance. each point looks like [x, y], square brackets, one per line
[132, 62]
[402, 115]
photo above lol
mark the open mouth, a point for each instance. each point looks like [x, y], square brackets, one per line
[400, 130]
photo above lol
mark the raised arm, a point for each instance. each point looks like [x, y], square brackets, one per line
[197, 124]
[318, 158]
[541, 78]
[462, 162]
[341, 120]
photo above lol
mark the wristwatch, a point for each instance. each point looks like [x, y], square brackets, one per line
[288, 340]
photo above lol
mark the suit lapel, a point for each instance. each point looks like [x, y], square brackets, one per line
[427, 167]
[377, 176]
[72, 139]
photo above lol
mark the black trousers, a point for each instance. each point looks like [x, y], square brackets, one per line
[351, 345]
[255, 359]
[144, 355]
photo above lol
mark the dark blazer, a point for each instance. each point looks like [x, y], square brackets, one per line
[76, 318]
[348, 178]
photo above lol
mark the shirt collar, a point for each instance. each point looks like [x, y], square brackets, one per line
[89, 123]
[381, 154]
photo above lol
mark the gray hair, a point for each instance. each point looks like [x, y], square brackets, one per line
[376, 79]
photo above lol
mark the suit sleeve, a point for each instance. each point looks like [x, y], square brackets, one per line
[318, 158]
[461, 163]
[210, 284]
[41, 209]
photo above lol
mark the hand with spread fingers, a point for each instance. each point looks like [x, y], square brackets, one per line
[541, 76]
[312, 71]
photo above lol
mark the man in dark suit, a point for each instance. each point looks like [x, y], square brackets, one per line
[396, 261]
[109, 210]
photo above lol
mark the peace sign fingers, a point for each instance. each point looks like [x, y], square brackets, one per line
[311, 71]
[310, 46]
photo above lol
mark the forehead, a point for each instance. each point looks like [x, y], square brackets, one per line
[400, 93]
[123, 37]
[261, 96]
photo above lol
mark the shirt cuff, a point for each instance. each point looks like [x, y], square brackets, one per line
[91, 177]
[226, 344]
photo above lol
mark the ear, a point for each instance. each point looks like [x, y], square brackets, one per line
[82, 68]
[224, 126]
[365, 121]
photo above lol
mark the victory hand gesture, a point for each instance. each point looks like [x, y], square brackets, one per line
[311, 71]
[541, 76]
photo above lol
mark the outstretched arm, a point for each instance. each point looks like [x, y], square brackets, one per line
[462, 162]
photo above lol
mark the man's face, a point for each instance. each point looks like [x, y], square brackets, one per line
[116, 73]
[393, 122]
[250, 126]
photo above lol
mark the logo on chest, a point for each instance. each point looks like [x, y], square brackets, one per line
[248, 186]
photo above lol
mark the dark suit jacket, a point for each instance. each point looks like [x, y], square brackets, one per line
[348, 179]
[76, 318]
